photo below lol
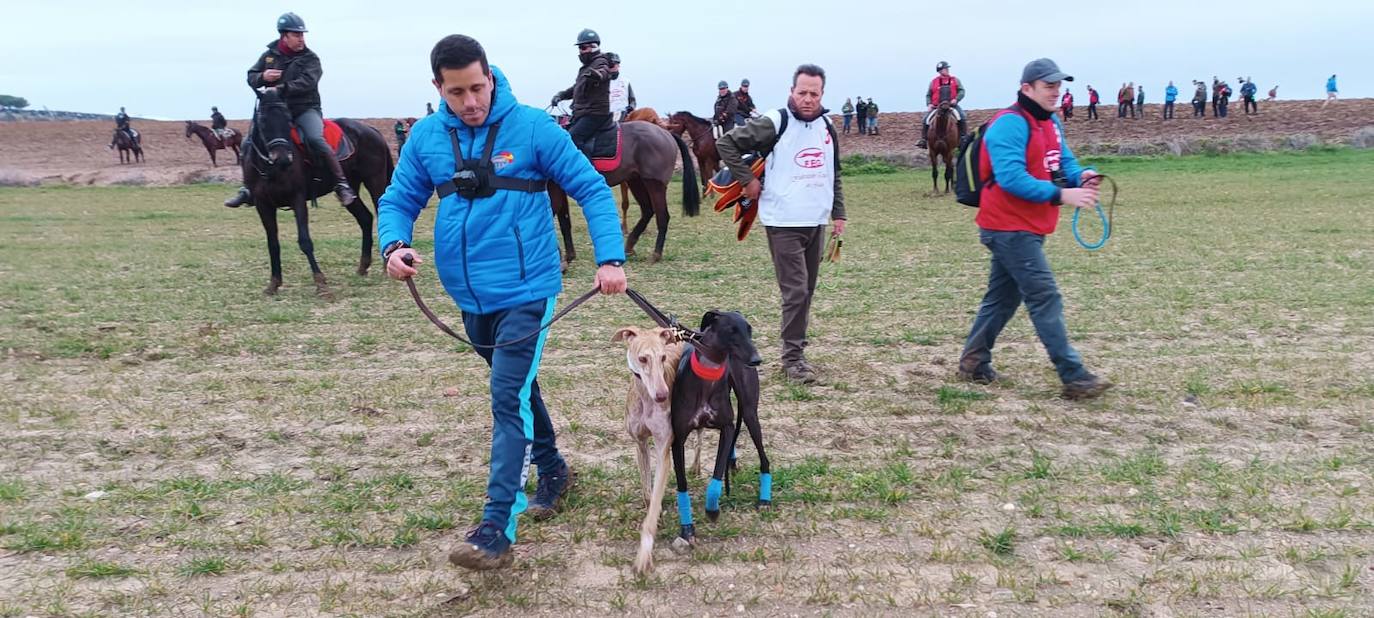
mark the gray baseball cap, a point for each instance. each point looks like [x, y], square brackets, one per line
[1043, 69]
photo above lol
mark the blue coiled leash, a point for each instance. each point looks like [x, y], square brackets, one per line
[1106, 218]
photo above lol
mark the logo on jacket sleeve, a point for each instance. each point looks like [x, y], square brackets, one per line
[502, 159]
[810, 158]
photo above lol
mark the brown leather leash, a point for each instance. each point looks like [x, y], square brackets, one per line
[664, 320]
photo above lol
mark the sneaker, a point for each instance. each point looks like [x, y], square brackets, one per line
[987, 375]
[549, 493]
[1086, 388]
[800, 372]
[484, 548]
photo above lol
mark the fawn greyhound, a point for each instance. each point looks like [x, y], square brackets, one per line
[653, 357]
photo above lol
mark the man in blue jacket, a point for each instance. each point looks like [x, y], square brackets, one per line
[1170, 95]
[497, 256]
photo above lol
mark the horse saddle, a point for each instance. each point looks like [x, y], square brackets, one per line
[605, 148]
[731, 193]
[223, 134]
[334, 136]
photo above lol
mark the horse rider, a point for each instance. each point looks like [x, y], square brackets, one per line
[294, 70]
[122, 125]
[217, 121]
[590, 94]
[944, 88]
[621, 92]
[726, 107]
[744, 104]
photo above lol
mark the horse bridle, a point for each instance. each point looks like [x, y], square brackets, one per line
[664, 320]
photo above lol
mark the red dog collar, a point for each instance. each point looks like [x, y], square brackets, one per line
[704, 372]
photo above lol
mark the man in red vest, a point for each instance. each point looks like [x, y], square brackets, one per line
[944, 87]
[1024, 150]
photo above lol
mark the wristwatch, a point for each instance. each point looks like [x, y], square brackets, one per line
[391, 248]
[616, 263]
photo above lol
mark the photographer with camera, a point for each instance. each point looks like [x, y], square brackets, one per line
[490, 159]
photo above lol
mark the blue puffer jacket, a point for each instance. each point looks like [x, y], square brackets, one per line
[1170, 94]
[498, 252]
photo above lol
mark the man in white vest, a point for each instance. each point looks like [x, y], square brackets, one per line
[622, 94]
[802, 195]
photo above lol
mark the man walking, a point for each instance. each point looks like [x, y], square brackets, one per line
[1036, 172]
[1170, 95]
[497, 256]
[1093, 100]
[797, 203]
[1248, 91]
[1331, 92]
[1066, 105]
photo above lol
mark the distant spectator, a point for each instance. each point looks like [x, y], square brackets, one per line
[1216, 92]
[1121, 100]
[1331, 91]
[1273, 93]
[1066, 104]
[1170, 95]
[848, 112]
[1093, 100]
[861, 110]
[429, 108]
[1200, 100]
[1139, 102]
[872, 117]
[1247, 94]
[401, 131]
[1223, 100]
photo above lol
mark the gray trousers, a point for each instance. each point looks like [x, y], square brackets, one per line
[796, 262]
[310, 123]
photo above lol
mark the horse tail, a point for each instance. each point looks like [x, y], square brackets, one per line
[691, 200]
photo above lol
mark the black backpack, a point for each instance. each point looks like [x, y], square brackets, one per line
[968, 164]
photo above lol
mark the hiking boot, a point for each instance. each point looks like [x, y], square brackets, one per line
[484, 548]
[1086, 388]
[922, 143]
[800, 372]
[550, 492]
[345, 193]
[240, 198]
[986, 375]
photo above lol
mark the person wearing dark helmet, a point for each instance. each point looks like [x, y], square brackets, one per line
[295, 71]
[944, 87]
[744, 104]
[726, 106]
[217, 121]
[1025, 150]
[621, 92]
[590, 93]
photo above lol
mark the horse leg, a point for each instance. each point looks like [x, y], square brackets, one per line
[645, 213]
[308, 247]
[359, 210]
[624, 207]
[934, 173]
[268, 214]
[949, 170]
[658, 193]
[213, 162]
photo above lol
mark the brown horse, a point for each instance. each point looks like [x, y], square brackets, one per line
[127, 145]
[646, 114]
[648, 159]
[703, 142]
[643, 114]
[213, 142]
[943, 141]
[274, 171]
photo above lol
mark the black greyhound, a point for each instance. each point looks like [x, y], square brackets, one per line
[723, 360]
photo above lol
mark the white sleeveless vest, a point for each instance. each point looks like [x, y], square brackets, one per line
[799, 179]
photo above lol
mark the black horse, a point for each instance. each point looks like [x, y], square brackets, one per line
[276, 173]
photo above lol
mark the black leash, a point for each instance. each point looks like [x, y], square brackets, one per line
[664, 320]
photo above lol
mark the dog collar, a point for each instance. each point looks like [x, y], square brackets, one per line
[706, 373]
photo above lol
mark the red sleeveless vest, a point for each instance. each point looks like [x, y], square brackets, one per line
[1001, 211]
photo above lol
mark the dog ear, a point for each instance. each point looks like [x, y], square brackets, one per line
[625, 334]
[709, 319]
[666, 334]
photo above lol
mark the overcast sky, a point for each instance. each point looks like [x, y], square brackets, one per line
[173, 60]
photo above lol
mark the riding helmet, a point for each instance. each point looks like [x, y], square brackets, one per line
[744, 83]
[290, 22]
[942, 66]
[723, 84]
[588, 36]
[612, 58]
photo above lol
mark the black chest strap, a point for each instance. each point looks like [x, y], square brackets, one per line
[483, 166]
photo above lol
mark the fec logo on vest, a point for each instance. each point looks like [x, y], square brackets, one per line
[502, 159]
[810, 158]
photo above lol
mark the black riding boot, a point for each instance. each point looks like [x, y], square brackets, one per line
[341, 189]
[963, 129]
[925, 129]
[240, 198]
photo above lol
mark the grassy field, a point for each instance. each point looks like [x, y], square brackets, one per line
[174, 443]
